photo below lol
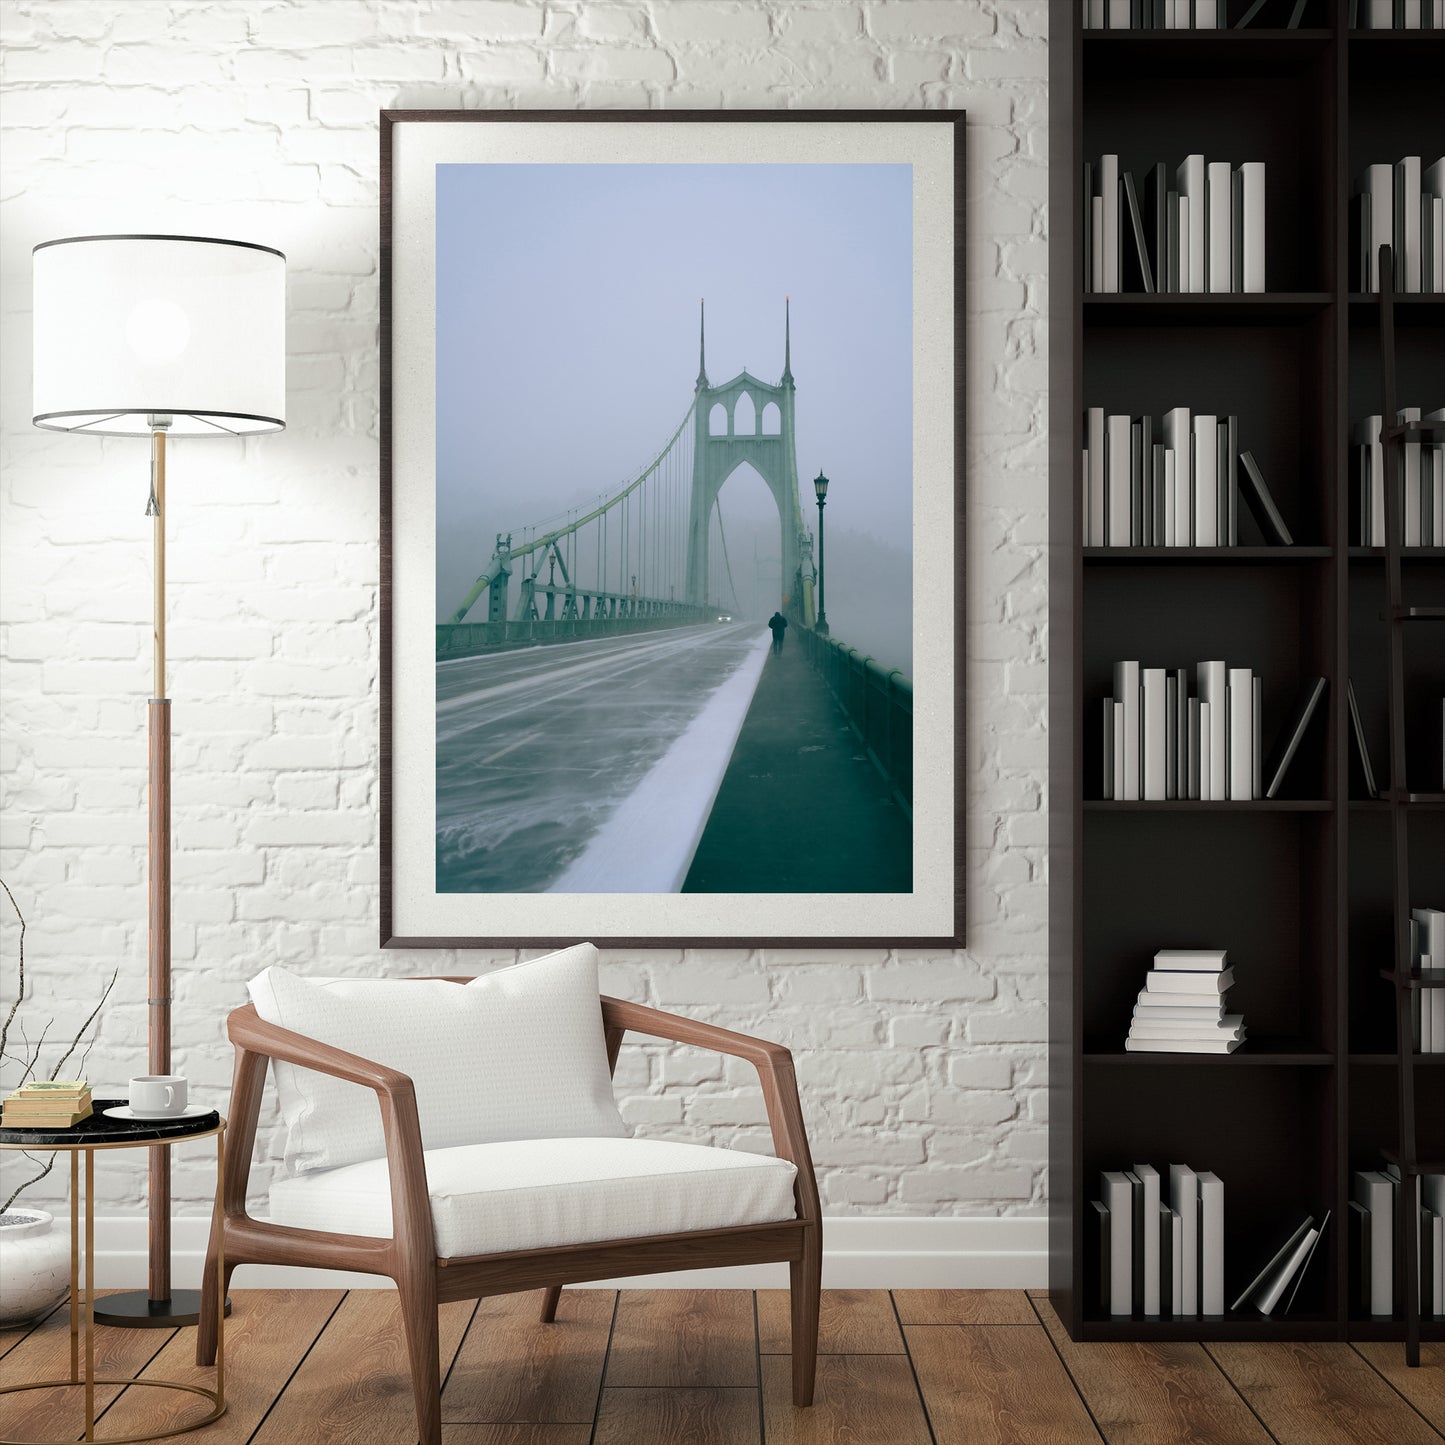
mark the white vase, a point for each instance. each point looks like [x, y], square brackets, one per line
[34, 1264]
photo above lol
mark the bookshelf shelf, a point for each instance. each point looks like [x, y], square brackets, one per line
[1300, 889]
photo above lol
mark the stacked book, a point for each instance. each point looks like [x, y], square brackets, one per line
[1421, 485]
[1373, 1211]
[47, 1104]
[1158, 1258]
[1173, 483]
[1204, 232]
[1427, 950]
[1401, 206]
[1181, 1008]
[1397, 14]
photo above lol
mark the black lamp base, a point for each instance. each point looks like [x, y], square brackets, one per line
[136, 1310]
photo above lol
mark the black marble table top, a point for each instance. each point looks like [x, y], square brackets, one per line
[100, 1129]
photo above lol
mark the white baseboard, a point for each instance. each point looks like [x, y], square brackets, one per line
[882, 1252]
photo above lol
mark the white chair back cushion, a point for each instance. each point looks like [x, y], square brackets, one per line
[515, 1054]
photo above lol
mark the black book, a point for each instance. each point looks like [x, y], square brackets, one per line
[1138, 274]
[1101, 1216]
[1276, 1260]
[1137, 534]
[1287, 744]
[1361, 229]
[1172, 225]
[1360, 1253]
[1357, 730]
[1231, 478]
[1257, 494]
[1156, 222]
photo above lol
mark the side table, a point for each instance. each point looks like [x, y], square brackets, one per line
[100, 1132]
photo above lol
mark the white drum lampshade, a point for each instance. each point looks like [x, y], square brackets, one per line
[130, 328]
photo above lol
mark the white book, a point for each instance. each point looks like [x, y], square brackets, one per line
[1193, 209]
[1407, 223]
[1252, 227]
[1118, 14]
[1374, 453]
[1411, 17]
[1109, 193]
[1206, 481]
[1205, 960]
[1156, 729]
[1171, 516]
[1412, 481]
[1205, 985]
[1230, 1027]
[1206, 15]
[1149, 1220]
[1437, 227]
[1181, 230]
[1126, 692]
[1119, 1200]
[1212, 682]
[1179, 439]
[1181, 1046]
[1098, 527]
[1241, 734]
[1096, 243]
[1375, 1192]
[1377, 15]
[1118, 484]
[1184, 1196]
[1266, 1302]
[1175, 1006]
[1118, 793]
[1432, 1194]
[1211, 1245]
[1378, 182]
[1218, 185]
[1176, 1260]
[1206, 726]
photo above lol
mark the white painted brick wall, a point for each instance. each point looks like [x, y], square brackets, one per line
[922, 1074]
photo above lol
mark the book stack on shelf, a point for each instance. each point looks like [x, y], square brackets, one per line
[1177, 484]
[1160, 744]
[1373, 1211]
[1181, 1008]
[1289, 1263]
[47, 1104]
[1397, 15]
[1401, 206]
[1190, 14]
[1158, 1259]
[1427, 950]
[1203, 234]
[1422, 487]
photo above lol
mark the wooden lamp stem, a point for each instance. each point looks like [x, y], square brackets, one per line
[160, 884]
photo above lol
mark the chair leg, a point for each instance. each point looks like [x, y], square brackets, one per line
[418, 1292]
[550, 1296]
[206, 1322]
[805, 1280]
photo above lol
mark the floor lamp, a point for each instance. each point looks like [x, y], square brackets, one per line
[159, 336]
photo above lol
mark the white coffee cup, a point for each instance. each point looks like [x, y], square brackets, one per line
[158, 1095]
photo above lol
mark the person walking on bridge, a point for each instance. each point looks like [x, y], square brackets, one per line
[779, 624]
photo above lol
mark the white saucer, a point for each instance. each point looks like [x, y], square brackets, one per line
[124, 1111]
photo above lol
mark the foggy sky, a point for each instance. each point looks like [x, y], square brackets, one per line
[567, 346]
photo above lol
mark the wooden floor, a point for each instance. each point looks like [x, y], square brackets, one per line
[693, 1367]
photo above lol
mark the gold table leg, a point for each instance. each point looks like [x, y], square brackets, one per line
[90, 1294]
[74, 1267]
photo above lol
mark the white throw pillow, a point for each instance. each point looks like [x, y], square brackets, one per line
[515, 1054]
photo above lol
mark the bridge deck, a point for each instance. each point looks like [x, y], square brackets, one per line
[801, 809]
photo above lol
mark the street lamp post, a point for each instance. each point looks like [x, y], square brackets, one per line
[820, 486]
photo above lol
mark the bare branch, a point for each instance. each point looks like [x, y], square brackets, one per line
[74, 1043]
[20, 974]
[34, 1179]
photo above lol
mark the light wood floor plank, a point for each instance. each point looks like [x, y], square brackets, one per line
[511, 1367]
[44, 1354]
[850, 1322]
[684, 1337]
[1320, 1394]
[1143, 1393]
[997, 1385]
[671, 1417]
[515, 1434]
[267, 1334]
[1423, 1387]
[963, 1307]
[355, 1387]
[858, 1400]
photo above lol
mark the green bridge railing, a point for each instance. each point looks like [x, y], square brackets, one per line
[878, 702]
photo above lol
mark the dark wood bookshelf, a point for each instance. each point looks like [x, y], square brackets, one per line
[1299, 887]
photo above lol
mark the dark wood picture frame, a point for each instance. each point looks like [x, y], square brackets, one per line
[949, 876]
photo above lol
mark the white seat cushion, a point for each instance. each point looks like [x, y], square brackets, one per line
[515, 1054]
[537, 1193]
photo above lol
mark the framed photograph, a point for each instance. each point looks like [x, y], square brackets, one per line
[672, 528]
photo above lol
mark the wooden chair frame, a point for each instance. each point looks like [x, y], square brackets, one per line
[409, 1257]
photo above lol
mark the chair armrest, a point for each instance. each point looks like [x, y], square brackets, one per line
[400, 1125]
[773, 1062]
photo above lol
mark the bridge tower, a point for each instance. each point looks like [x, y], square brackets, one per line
[721, 447]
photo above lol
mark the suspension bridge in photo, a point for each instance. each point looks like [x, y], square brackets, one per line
[608, 721]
